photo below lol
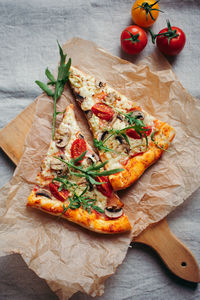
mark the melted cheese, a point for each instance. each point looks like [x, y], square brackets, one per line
[47, 174]
[88, 88]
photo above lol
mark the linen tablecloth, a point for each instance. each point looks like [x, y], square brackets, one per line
[28, 31]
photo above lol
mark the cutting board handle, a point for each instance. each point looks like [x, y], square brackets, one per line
[177, 257]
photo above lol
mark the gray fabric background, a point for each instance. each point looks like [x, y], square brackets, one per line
[28, 34]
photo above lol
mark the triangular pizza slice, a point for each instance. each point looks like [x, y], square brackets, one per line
[125, 135]
[74, 185]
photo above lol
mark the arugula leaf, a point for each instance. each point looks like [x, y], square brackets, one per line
[89, 173]
[49, 75]
[156, 143]
[76, 201]
[97, 208]
[79, 158]
[59, 83]
[100, 145]
[45, 88]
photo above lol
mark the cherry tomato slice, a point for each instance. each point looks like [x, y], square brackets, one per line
[105, 188]
[103, 111]
[133, 134]
[60, 195]
[78, 147]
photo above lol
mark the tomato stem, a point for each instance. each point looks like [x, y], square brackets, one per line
[134, 38]
[170, 34]
[148, 8]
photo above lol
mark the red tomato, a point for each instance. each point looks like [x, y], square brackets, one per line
[103, 111]
[60, 195]
[105, 188]
[133, 134]
[170, 40]
[145, 13]
[78, 147]
[133, 39]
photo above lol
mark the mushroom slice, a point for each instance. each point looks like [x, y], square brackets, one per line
[79, 98]
[138, 114]
[62, 137]
[113, 208]
[110, 97]
[57, 165]
[103, 135]
[80, 136]
[113, 212]
[121, 117]
[88, 113]
[62, 141]
[44, 193]
[91, 157]
[123, 145]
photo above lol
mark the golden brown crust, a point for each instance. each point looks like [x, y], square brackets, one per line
[94, 221]
[136, 166]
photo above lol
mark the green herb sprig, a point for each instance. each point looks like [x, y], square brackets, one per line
[156, 143]
[139, 127]
[59, 83]
[101, 144]
[77, 201]
[65, 183]
[90, 173]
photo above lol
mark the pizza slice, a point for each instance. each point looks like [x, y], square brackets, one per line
[73, 184]
[125, 135]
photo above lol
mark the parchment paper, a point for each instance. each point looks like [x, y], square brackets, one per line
[68, 257]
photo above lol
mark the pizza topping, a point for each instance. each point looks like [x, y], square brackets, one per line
[91, 172]
[87, 203]
[91, 157]
[101, 84]
[120, 117]
[139, 135]
[63, 140]
[105, 188]
[89, 113]
[60, 194]
[138, 114]
[78, 147]
[99, 96]
[44, 193]
[103, 135]
[113, 213]
[124, 145]
[56, 164]
[79, 98]
[155, 142]
[76, 81]
[103, 111]
[110, 98]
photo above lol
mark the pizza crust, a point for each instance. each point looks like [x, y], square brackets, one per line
[138, 164]
[94, 221]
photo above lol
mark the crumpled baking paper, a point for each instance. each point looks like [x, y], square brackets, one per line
[67, 256]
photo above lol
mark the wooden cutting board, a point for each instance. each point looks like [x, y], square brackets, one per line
[177, 257]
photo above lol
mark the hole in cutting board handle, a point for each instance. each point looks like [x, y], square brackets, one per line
[183, 264]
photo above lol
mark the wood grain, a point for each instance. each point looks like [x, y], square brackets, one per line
[12, 136]
[177, 257]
